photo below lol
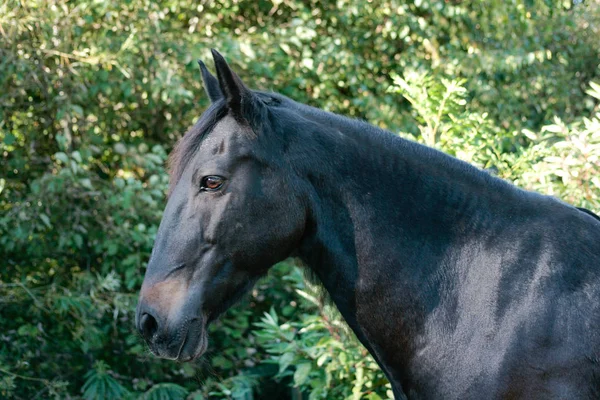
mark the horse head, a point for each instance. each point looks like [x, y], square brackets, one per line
[233, 211]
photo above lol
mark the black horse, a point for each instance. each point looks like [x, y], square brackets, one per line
[461, 285]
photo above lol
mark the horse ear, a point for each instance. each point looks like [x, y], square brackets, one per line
[211, 84]
[232, 87]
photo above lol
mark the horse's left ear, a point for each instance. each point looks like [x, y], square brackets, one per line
[211, 84]
[232, 87]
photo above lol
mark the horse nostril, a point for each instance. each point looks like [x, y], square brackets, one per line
[148, 326]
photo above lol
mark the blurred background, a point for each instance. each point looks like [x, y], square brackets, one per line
[94, 94]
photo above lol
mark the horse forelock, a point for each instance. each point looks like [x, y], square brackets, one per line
[186, 147]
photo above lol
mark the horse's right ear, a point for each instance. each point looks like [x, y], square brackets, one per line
[235, 92]
[211, 84]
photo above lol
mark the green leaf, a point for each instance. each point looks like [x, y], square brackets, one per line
[62, 157]
[553, 128]
[120, 148]
[301, 374]
[99, 385]
[78, 240]
[9, 139]
[45, 220]
[285, 360]
[164, 391]
[594, 91]
[77, 110]
[76, 156]
[322, 359]
[86, 183]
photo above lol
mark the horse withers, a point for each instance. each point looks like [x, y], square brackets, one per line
[461, 285]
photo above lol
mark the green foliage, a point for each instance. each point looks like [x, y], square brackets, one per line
[240, 387]
[321, 356]
[100, 385]
[560, 159]
[165, 391]
[93, 95]
[564, 161]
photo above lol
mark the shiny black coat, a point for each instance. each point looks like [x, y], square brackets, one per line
[461, 285]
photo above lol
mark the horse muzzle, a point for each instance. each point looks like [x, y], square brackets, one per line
[184, 340]
[169, 321]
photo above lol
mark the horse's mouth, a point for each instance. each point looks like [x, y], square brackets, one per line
[194, 344]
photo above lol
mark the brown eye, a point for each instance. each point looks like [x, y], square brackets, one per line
[211, 182]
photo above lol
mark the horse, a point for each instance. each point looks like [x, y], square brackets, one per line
[459, 284]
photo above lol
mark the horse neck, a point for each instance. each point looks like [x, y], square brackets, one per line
[386, 211]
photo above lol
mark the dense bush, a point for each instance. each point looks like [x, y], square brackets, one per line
[93, 95]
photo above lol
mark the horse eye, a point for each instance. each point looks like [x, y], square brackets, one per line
[211, 182]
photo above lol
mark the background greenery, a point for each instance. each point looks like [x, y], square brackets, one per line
[94, 93]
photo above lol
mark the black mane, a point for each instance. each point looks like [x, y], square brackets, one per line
[375, 139]
[373, 136]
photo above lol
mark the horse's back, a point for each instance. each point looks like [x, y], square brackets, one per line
[524, 323]
[551, 326]
[589, 212]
